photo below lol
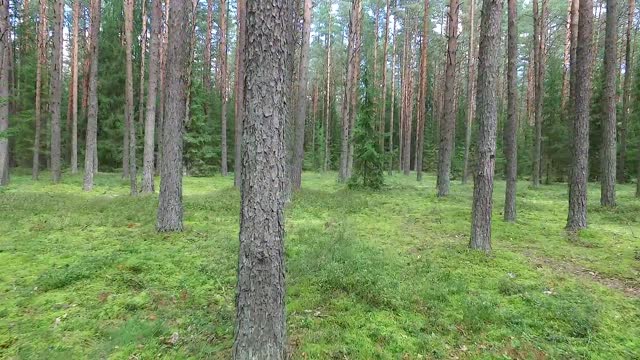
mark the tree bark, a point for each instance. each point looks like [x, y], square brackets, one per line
[152, 90]
[539, 49]
[422, 102]
[471, 90]
[74, 88]
[5, 44]
[577, 216]
[609, 145]
[355, 85]
[223, 86]
[448, 123]
[408, 104]
[301, 103]
[170, 209]
[162, 79]
[260, 331]
[626, 96]
[511, 126]
[128, 25]
[575, 16]
[90, 159]
[56, 92]
[42, 63]
[143, 56]
[488, 68]
[566, 59]
[393, 98]
[327, 114]
[383, 113]
[239, 111]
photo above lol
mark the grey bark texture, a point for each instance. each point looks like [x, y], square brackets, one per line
[471, 90]
[128, 16]
[301, 103]
[223, 86]
[511, 126]
[74, 87]
[626, 99]
[448, 122]
[170, 210]
[91, 154]
[577, 216]
[260, 331]
[422, 98]
[239, 111]
[155, 30]
[539, 25]
[56, 92]
[609, 144]
[5, 43]
[487, 116]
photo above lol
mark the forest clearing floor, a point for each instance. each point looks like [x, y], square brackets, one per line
[370, 275]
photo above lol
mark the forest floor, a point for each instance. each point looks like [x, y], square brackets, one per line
[383, 275]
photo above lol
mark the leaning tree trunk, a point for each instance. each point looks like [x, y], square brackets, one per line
[56, 92]
[223, 86]
[577, 217]
[422, 102]
[626, 99]
[170, 201]
[511, 126]
[239, 111]
[128, 25]
[260, 331]
[5, 43]
[91, 155]
[152, 90]
[471, 90]
[448, 123]
[301, 103]
[488, 67]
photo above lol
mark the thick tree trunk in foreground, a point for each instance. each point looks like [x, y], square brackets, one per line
[239, 111]
[5, 43]
[488, 67]
[301, 103]
[577, 217]
[223, 86]
[128, 25]
[152, 90]
[91, 155]
[471, 90]
[260, 331]
[609, 145]
[422, 98]
[42, 63]
[448, 122]
[74, 88]
[170, 201]
[511, 126]
[56, 93]
[626, 99]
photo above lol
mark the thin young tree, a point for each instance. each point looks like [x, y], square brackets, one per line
[422, 93]
[42, 63]
[539, 39]
[383, 113]
[91, 152]
[471, 89]
[128, 29]
[393, 97]
[626, 95]
[327, 113]
[170, 209]
[488, 68]
[242, 33]
[155, 29]
[143, 57]
[56, 92]
[260, 331]
[448, 122]
[223, 86]
[74, 87]
[301, 103]
[511, 126]
[5, 44]
[577, 216]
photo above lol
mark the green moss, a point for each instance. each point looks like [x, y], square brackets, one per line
[370, 275]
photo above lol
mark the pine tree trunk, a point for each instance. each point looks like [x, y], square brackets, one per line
[511, 126]
[152, 90]
[355, 84]
[91, 154]
[260, 331]
[575, 4]
[74, 88]
[128, 26]
[327, 114]
[393, 98]
[471, 90]
[408, 110]
[301, 103]
[422, 102]
[170, 209]
[577, 217]
[539, 49]
[5, 44]
[448, 123]
[383, 113]
[56, 92]
[42, 63]
[488, 68]
[626, 99]
[162, 79]
[143, 56]
[566, 59]
[609, 145]
[239, 110]
[223, 86]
